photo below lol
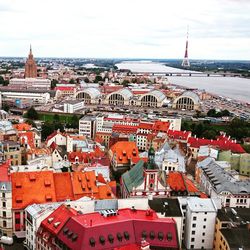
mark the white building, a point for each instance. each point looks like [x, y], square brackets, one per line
[73, 106]
[35, 96]
[34, 215]
[6, 228]
[168, 159]
[87, 126]
[217, 182]
[31, 83]
[175, 123]
[200, 223]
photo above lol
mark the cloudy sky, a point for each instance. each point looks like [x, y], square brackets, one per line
[218, 29]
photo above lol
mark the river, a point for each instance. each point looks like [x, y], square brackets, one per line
[232, 87]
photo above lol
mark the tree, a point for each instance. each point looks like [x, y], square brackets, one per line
[53, 84]
[86, 79]
[225, 112]
[56, 118]
[98, 78]
[1, 80]
[30, 122]
[47, 129]
[209, 134]
[32, 114]
[6, 107]
[125, 83]
[72, 81]
[211, 113]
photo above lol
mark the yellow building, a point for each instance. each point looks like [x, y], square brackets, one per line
[232, 229]
[11, 151]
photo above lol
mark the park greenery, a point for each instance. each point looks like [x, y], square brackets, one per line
[51, 122]
[237, 129]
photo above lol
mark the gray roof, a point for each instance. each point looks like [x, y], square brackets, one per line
[106, 205]
[223, 180]
[133, 177]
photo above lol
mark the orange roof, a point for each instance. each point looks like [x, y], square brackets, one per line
[175, 181]
[22, 126]
[84, 184]
[123, 151]
[27, 137]
[39, 151]
[46, 186]
[161, 126]
[63, 187]
[32, 187]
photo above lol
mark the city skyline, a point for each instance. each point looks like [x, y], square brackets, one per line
[144, 29]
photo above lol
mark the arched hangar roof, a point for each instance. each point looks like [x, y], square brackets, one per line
[189, 94]
[93, 92]
[126, 93]
[160, 96]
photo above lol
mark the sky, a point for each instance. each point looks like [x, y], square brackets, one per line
[218, 29]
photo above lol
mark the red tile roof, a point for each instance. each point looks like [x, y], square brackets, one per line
[146, 125]
[4, 175]
[223, 143]
[178, 135]
[124, 129]
[129, 224]
[55, 221]
[65, 88]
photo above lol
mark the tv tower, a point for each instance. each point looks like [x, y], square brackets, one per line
[185, 62]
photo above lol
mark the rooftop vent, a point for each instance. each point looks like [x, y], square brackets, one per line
[32, 177]
[108, 213]
[50, 220]
[56, 224]
[74, 237]
[18, 184]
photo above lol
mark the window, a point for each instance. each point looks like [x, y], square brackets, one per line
[192, 239]
[192, 246]
[193, 232]
[204, 226]
[3, 195]
[4, 223]
[4, 214]
[203, 234]
[194, 225]
[4, 204]
[205, 219]
[194, 218]
[203, 241]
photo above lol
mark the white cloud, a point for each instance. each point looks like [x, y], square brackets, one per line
[219, 29]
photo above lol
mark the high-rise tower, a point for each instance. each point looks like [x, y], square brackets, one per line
[185, 62]
[30, 66]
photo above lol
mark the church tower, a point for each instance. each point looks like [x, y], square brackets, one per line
[30, 66]
[151, 172]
